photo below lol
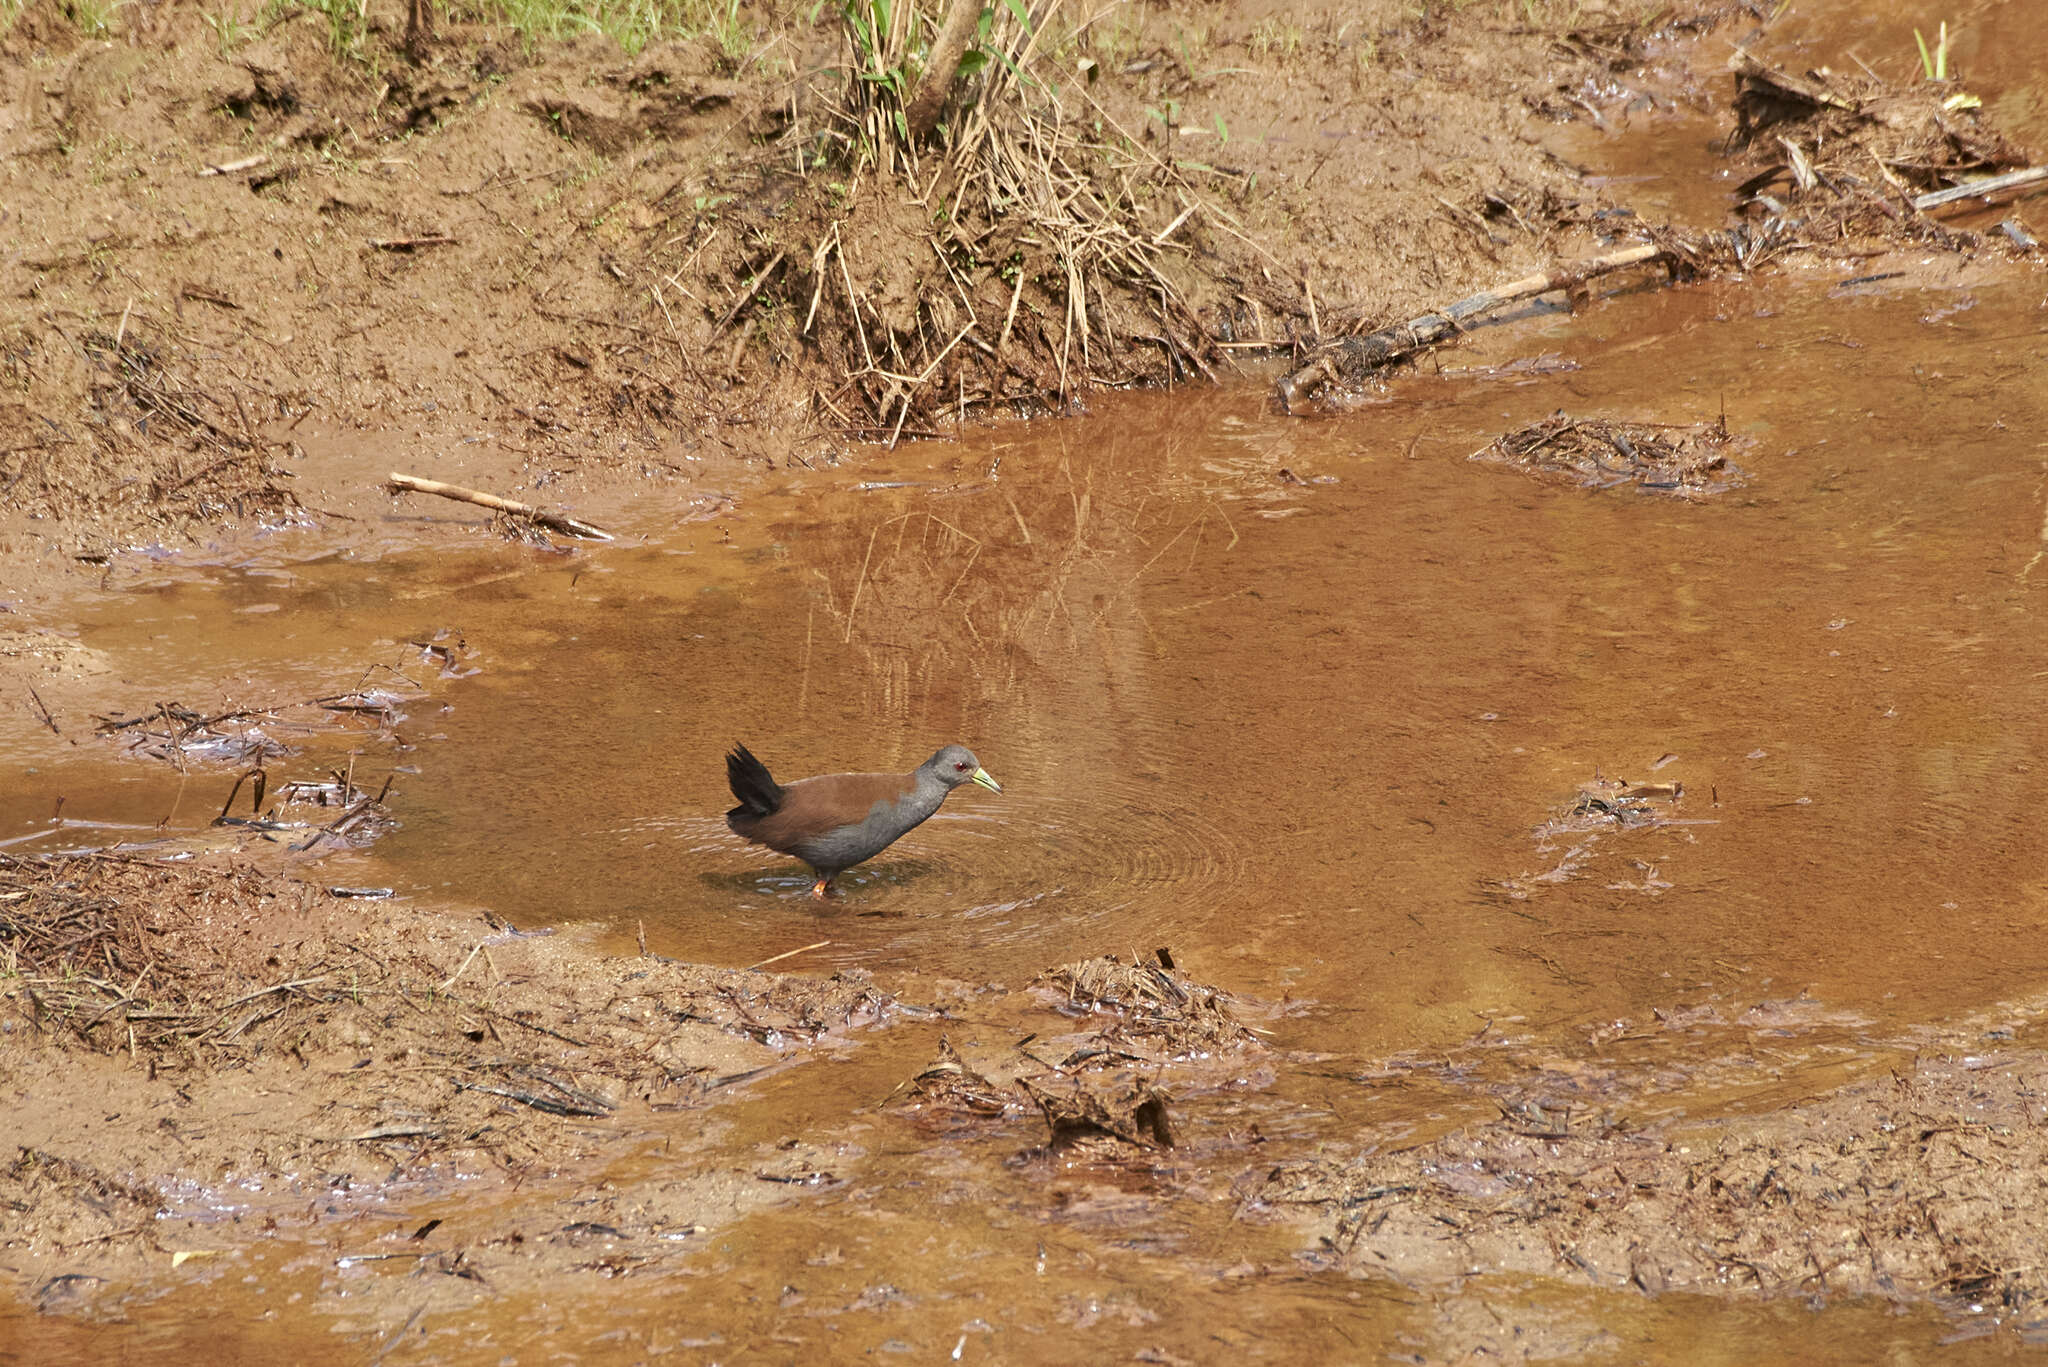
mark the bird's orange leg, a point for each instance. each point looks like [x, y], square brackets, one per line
[822, 889]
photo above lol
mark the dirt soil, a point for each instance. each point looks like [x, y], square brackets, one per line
[240, 280]
[1924, 1184]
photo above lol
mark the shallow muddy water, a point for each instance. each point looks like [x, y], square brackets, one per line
[1305, 729]
[1302, 728]
[1304, 733]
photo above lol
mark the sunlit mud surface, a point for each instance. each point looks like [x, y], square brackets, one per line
[1314, 705]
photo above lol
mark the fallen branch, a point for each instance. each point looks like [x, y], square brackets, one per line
[1353, 357]
[44, 712]
[786, 954]
[2012, 180]
[413, 484]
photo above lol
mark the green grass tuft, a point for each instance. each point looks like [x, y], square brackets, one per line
[632, 24]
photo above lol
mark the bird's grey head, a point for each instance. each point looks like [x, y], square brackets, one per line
[956, 765]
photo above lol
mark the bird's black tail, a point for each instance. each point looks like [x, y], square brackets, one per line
[759, 794]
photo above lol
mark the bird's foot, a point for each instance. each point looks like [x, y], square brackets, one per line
[822, 889]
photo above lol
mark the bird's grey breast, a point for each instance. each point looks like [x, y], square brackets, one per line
[886, 820]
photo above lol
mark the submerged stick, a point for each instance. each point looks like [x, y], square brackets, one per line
[787, 954]
[414, 484]
[1357, 355]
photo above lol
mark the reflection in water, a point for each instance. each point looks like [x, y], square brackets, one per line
[1292, 699]
[1303, 732]
[1310, 731]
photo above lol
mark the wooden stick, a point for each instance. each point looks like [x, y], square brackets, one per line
[1390, 344]
[414, 484]
[406, 244]
[941, 68]
[2011, 180]
[752, 288]
[1798, 88]
[787, 954]
[449, 981]
[228, 168]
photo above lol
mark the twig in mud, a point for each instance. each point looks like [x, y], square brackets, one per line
[255, 802]
[207, 297]
[514, 1020]
[2014, 180]
[449, 981]
[44, 711]
[338, 826]
[406, 244]
[569, 525]
[385, 1350]
[568, 1099]
[749, 290]
[277, 987]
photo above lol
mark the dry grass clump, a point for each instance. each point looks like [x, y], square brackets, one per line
[1034, 239]
[190, 443]
[87, 947]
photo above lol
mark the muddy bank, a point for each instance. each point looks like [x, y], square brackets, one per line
[207, 1061]
[1923, 1184]
[193, 1034]
[248, 246]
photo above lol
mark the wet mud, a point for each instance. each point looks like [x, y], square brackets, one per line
[1432, 910]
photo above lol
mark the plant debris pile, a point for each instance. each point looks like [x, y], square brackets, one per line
[1102, 1095]
[260, 968]
[1603, 803]
[1157, 1012]
[1022, 249]
[1680, 460]
[1106, 1118]
[1101, 1092]
[949, 1086]
[1846, 156]
[188, 442]
[88, 952]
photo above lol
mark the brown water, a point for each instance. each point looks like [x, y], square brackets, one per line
[1303, 733]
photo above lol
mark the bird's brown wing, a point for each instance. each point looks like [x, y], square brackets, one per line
[812, 807]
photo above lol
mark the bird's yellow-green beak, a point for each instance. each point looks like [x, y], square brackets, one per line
[981, 776]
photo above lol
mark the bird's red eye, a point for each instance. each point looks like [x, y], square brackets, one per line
[961, 767]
